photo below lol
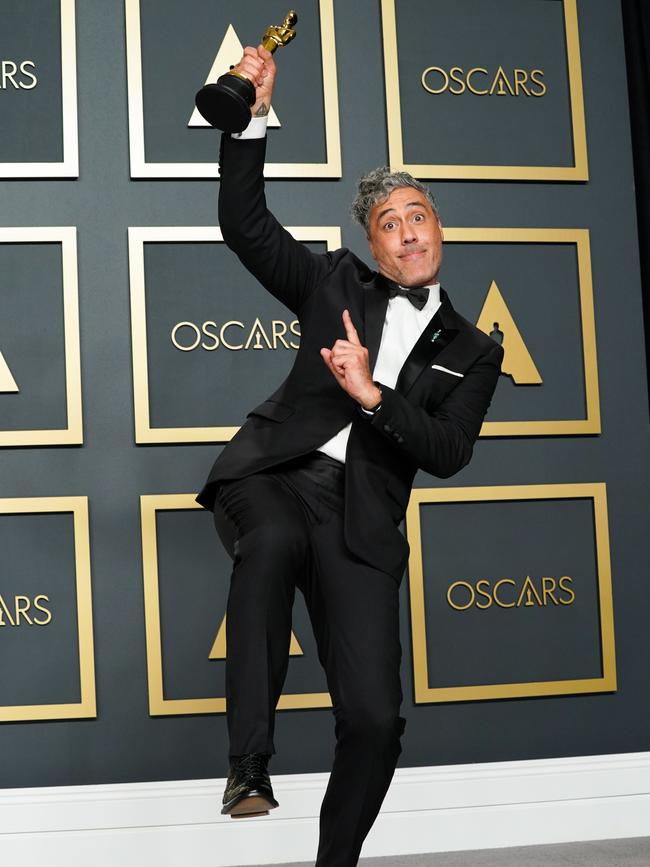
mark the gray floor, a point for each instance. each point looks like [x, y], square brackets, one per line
[630, 852]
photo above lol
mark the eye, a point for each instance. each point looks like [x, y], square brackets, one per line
[418, 218]
[389, 226]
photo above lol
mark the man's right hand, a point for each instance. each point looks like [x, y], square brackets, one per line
[258, 66]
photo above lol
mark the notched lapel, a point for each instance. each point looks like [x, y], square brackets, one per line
[429, 345]
[438, 334]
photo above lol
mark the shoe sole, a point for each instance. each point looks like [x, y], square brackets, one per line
[251, 805]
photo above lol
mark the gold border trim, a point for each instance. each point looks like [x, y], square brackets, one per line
[578, 172]
[580, 237]
[158, 704]
[595, 491]
[73, 433]
[87, 707]
[138, 236]
[140, 168]
[69, 168]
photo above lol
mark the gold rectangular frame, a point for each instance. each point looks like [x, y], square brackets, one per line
[579, 171]
[69, 167]
[73, 433]
[138, 236]
[158, 704]
[595, 491]
[579, 237]
[87, 707]
[140, 168]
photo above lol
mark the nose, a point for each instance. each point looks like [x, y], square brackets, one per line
[408, 233]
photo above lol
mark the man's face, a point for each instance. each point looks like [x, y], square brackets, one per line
[405, 238]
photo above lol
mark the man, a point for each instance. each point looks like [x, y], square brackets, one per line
[311, 491]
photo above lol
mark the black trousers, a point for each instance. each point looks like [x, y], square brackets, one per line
[284, 529]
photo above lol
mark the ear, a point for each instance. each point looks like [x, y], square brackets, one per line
[440, 226]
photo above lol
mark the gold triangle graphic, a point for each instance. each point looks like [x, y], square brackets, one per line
[517, 360]
[219, 647]
[7, 381]
[499, 80]
[230, 51]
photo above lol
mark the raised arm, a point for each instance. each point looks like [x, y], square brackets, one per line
[282, 265]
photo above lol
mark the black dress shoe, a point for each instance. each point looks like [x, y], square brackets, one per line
[248, 790]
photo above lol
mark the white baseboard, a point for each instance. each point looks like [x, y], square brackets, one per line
[438, 809]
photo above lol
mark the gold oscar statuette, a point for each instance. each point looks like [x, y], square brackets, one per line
[226, 104]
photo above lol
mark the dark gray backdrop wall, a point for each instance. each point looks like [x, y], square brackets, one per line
[498, 538]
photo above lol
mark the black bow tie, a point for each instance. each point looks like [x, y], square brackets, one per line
[417, 295]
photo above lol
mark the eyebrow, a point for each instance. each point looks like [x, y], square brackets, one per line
[407, 205]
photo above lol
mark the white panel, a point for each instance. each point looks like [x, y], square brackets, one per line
[426, 810]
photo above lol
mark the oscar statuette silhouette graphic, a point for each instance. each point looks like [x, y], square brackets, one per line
[226, 104]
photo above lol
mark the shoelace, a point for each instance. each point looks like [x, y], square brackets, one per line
[251, 764]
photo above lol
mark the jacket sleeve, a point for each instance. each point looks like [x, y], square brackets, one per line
[284, 266]
[441, 442]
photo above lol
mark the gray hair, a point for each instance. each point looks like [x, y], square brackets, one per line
[377, 185]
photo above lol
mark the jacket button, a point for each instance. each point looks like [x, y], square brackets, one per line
[387, 428]
[400, 439]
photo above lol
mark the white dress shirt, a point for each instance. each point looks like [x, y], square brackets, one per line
[403, 325]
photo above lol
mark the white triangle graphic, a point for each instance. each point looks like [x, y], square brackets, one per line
[7, 381]
[230, 51]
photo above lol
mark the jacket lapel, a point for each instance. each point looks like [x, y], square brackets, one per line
[375, 305]
[438, 334]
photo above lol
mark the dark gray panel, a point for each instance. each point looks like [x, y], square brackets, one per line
[469, 129]
[515, 540]
[39, 660]
[539, 283]
[191, 33]
[32, 336]
[205, 283]
[31, 125]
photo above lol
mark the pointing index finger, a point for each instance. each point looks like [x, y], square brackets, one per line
[350, 330]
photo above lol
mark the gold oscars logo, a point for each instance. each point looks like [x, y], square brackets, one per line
[19, 610]
[235, 335]
[17, 75]
[508, 593]
[482, 82]
[494, 319]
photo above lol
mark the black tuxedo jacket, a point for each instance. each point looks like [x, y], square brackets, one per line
[430, 420]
